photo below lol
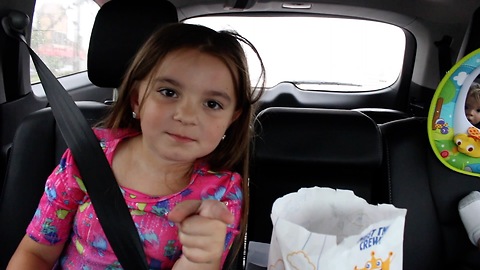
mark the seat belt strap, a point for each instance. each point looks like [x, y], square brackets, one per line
[99, 180]
[444, 55]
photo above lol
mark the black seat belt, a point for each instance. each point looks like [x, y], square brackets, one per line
[99, 180]
[444, 55]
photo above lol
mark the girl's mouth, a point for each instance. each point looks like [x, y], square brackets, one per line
[180, 138]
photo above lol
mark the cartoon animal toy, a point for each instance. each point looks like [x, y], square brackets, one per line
[468, 144]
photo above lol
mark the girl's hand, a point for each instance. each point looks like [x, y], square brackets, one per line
[202, 227]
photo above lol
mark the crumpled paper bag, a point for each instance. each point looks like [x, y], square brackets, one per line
[324, 228]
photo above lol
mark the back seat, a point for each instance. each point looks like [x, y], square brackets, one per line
[434, 235]
[37, 148]
[305, 147]
[382, 115]
[386, 163]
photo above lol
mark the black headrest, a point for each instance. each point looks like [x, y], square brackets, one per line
[321, 136]
[120, 28]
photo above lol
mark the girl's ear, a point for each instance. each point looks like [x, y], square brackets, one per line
[235, 116]
[135, 102]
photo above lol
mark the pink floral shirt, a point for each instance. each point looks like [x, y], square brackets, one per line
[65, 212]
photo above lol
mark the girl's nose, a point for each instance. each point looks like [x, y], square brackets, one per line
[185, 113]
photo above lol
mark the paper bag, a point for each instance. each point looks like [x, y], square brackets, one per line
[323, 228]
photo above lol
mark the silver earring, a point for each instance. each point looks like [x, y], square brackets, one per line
[223, 137]
[134, 115]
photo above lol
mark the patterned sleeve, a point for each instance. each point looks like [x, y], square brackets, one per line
[52, 222]
[233, 199]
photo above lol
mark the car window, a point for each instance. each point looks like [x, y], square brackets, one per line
[318, 53]
[61, 34]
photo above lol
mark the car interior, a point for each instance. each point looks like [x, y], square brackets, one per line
[373, 142]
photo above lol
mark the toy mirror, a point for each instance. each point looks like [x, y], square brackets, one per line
[454, 117]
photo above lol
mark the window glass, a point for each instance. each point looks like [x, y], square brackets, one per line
[318, 53]
[61, 34]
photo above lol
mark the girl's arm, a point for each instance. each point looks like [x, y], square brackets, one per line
[32, 255]
[202, 227]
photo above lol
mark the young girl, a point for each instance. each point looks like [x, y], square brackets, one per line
[176, 138]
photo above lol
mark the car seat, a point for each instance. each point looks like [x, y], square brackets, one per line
[434, 236]
[119, 30]
[306, 147]
[382, 115]
[432, 163]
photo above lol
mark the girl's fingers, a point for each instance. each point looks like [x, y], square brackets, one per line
[183, 210]
[202, 238]
[207, 208]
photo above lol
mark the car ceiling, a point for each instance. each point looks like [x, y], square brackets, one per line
[456, 11]
[435, 11]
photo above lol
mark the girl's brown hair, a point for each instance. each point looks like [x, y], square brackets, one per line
[233, 152]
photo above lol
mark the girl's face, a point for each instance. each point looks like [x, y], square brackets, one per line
[472, 110]
[190, 106]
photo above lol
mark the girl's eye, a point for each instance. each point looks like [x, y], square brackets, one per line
[168, 92]
[213, 105]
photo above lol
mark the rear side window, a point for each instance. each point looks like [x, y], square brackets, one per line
[318, 53]
[61, 34]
